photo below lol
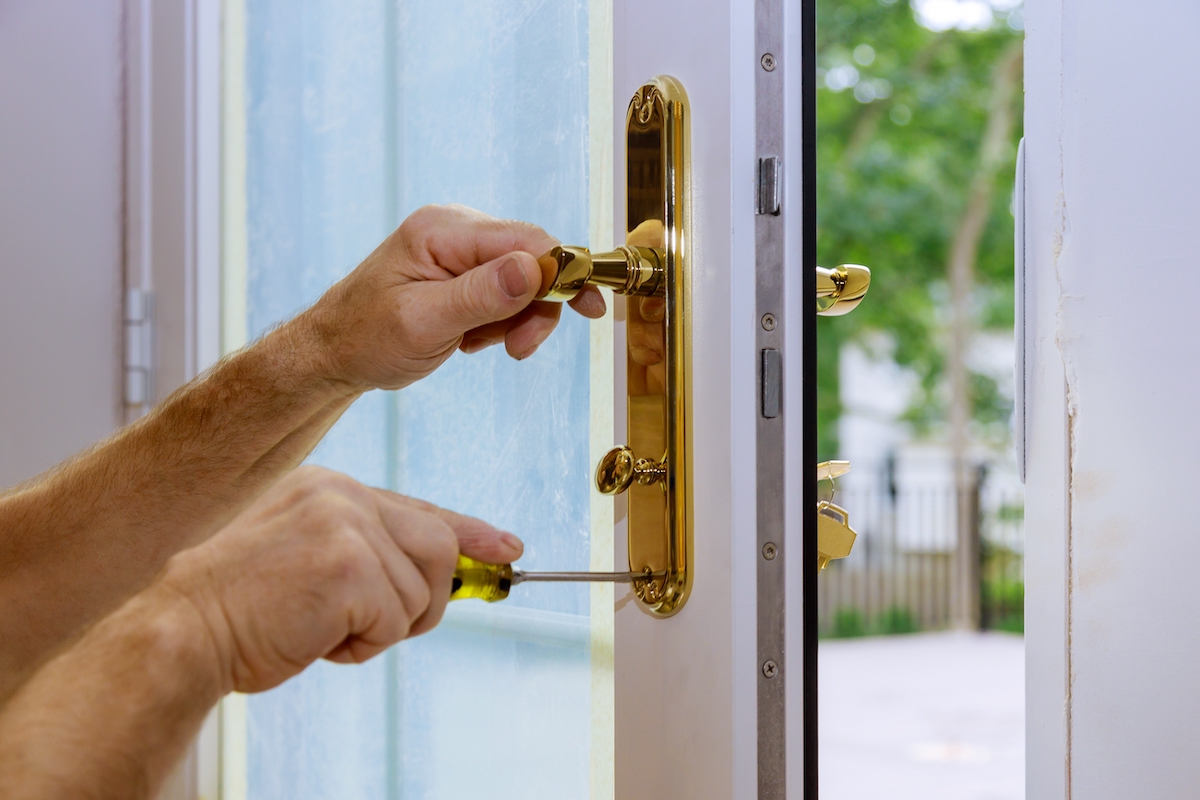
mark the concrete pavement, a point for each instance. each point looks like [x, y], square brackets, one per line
[928, 716]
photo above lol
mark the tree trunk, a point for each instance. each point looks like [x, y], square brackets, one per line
[961, 268]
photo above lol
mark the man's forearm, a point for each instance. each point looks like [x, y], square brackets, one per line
[81, 539]
[110, 716]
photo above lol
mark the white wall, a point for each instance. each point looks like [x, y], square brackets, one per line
[60, 229]
[1113, 603]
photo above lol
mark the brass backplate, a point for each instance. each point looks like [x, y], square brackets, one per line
[659, 345]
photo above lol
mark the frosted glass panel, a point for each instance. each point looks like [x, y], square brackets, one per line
[357, 113]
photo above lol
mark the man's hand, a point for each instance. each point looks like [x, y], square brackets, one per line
[319, 567]
[448, 278]
[324, 567]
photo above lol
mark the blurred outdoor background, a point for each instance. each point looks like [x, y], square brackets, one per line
[922, 663]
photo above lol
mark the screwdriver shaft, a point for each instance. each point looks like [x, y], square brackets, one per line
[520, 576]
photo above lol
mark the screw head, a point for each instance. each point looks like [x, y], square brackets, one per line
[769, 551]
[768, 62]
[770, 669]
[768, 322]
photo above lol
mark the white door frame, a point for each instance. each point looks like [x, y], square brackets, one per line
[172, 180]
[1112, 601]
[1045, 422]
[172, 232]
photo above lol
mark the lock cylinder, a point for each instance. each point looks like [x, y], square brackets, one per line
[627, 270]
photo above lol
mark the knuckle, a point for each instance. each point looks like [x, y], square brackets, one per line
[333, 526]
[423, 218]
[325, 488]
[421, 597]
[435, 544]
[311, 475]
[398, 627]
[321, 509]
[304, 479]
[307, 483]
[346, 557]
[526, 234]
[445, 545]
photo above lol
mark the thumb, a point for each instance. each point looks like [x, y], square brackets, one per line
[491, 292]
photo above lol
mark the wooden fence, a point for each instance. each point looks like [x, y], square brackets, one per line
[900, 577]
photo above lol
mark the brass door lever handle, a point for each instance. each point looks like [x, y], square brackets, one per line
[841, 289]
[640, 271]
[627, 270]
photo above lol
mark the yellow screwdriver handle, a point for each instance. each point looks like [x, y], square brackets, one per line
[489, 582]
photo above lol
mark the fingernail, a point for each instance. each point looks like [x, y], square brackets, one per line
[469, 346]
[512, 279]
[528, 352]
[512, 541]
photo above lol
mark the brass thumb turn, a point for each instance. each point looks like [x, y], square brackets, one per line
[626, 270]
[618, 468]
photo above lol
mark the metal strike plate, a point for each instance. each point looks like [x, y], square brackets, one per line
[652, 270]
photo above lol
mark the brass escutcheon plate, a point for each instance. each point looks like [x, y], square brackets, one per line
[659, 342]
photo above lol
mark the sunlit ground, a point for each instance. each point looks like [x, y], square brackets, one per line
[932, 716]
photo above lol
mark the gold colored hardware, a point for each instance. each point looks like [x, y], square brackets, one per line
[618, 469]
[828, 470]
[841, 289]
[659, 345]
[627, 270]
[651, 269]
[835, 537]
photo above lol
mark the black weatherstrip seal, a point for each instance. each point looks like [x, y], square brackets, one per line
[808, 262]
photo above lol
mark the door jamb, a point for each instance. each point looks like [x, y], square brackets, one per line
[171, 226]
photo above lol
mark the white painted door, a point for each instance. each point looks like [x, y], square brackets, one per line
[718, 726]
[341, 118]
[1112, 602]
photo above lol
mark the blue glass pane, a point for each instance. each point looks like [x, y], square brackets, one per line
[358, 113]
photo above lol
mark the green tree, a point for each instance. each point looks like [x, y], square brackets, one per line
[902, 116]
